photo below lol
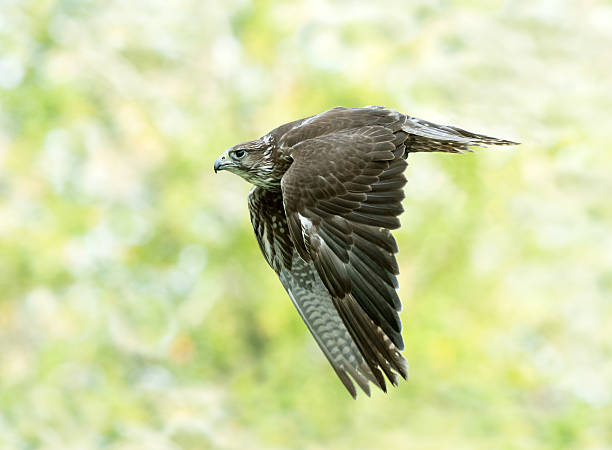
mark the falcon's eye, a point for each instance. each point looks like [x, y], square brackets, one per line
[239, 154]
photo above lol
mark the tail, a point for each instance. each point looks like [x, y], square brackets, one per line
[424, 136]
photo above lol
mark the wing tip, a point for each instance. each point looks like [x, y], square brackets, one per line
[378, 350]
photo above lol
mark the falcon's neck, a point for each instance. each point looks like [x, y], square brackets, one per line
[270, 170]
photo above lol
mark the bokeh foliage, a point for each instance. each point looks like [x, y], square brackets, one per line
[135, 308]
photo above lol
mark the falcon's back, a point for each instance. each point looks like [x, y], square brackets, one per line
[421, 135]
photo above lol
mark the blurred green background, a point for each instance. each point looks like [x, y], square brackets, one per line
[135, 308]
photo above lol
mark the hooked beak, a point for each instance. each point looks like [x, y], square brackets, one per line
[222, 162]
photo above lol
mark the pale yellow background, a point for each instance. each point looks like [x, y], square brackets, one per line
[135, 308]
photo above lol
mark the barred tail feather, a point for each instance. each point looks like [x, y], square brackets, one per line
[424, 136]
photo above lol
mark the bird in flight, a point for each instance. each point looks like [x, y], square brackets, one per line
[327, 191]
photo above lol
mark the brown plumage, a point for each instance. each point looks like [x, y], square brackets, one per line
[328, 188]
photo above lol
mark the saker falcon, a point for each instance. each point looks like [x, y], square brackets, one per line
[328, 188]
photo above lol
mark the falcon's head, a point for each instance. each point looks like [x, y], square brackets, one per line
[253, 161]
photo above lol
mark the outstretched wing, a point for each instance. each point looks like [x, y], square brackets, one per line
[307, 292]
[342, 195]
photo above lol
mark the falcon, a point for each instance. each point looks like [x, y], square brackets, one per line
[327, 191]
